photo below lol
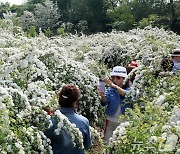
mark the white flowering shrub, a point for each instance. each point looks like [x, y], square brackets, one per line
[148, 45]
[30, 73]
[27, 19]
[47, 15]
[32, 70]
[20, 131]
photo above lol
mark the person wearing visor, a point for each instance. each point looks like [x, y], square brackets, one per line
[129, 68]
[113, 100]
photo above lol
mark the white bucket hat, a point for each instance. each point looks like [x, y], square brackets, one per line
[119, 71]
[176, 52]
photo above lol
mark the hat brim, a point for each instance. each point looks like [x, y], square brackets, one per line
[118, 74]
[177, 55]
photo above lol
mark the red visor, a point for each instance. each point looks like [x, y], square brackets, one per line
[133, 64]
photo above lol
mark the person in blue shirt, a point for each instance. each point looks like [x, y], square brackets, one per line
[61, 144]
[113, 100]
[176, 60]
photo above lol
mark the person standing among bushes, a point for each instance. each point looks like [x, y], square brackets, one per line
[113, 99]
[133, 64]
[176, 60]
[129, 68]
[68, 101]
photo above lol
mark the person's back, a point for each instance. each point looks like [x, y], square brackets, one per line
[62, 144]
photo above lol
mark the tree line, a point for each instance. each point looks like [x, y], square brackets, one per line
[92, 16]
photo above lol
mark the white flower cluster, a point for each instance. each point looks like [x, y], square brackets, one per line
[160, 100]
[137, 86]
[96, 135]
[171, 134]
[10, 117]
[118, 134]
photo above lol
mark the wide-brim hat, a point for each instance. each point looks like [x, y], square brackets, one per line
[119, 71]
[176, 52]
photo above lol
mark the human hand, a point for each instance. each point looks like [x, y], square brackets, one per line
[101, 93]
[110, 83]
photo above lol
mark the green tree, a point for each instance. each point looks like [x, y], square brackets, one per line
[4, 7]
[27, 20]
[96, 15]
[78, 11]
[120, 16]
[148, 21]
[125, 14]
[141, 8]
[175, 15]
[64, 8]
[30, 4]
[90, 11]
[19, 9]
[45, 16]
[31, 32]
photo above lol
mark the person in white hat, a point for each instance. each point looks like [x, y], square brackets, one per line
[113, 99]
[176, 60]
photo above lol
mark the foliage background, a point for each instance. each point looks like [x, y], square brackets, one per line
[92, 16]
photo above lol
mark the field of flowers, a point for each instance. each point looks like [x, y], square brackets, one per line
[32, 70]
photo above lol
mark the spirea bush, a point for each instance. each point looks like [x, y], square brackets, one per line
[148, 45]
[32, 70]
